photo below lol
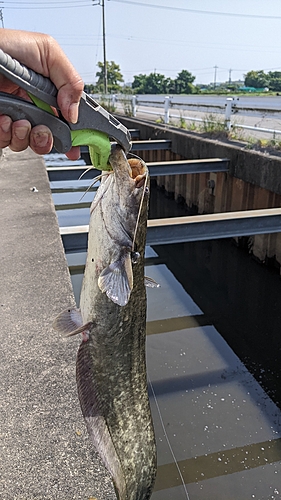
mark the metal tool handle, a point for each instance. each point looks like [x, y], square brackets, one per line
[20, 109]
[27, 79]
[91, 114]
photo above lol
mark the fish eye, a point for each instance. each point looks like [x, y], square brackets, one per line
[146, 190]
[135, 257]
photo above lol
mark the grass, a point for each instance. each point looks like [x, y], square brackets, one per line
[107, 104]
[160, 120]
[127, 106]
[212, 125]
[215, 128]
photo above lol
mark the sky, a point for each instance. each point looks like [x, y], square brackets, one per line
[210, 38]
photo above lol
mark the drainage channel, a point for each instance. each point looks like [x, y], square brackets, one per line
[217, 431]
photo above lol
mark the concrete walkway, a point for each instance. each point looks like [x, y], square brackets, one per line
[45, 453]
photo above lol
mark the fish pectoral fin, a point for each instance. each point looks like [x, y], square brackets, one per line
[69, 322]
[116, 280]
[151, 283]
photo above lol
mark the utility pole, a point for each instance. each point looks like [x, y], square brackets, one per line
[229, 79]
[215, 77]
[1, 18]
[104, 48]
[101, 3]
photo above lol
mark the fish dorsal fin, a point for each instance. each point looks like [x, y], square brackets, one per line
[94, 411]
[69, 322]
[116, 280]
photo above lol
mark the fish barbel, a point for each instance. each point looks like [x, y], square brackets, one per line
[111, 365]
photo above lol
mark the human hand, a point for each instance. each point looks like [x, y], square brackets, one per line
[43, 54]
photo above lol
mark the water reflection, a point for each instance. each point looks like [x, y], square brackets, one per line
[240, 297]
[210, 404]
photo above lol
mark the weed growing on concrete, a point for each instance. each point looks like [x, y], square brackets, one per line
[106, 103]
[251, 143]
[127, 106]
[236, 133]
[214, 128]
[192, 126]
[160, 120]
[182, 122]
[212, 125]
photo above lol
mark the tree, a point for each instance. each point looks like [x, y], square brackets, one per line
[274, 80]
[89, 88]
[114, 77]
[257, 79]
[183, 82]
[139, 83]
[155, 83]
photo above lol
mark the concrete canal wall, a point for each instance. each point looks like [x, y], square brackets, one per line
[45, 452]
[253, 180]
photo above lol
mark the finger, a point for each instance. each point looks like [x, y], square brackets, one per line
[65, 77]
[43, 54]
[73, 153]
[20, 135]
[41, 139]
[5, 131]
[68, 100]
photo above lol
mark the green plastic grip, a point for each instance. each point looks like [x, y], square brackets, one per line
[98, 143]
[41, 104]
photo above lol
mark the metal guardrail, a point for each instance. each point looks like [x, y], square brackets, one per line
[139, 104]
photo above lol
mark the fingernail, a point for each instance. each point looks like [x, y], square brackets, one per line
[21, 132]
[73, 112]
[41, 139]
[6, 126]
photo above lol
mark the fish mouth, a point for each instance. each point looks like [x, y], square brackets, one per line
[135, 168]
[138, 171]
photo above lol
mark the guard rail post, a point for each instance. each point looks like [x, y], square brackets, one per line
[167, 109]
[113, 100]
[228, 111]
[134, 106]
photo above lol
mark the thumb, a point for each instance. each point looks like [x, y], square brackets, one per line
[68, 99]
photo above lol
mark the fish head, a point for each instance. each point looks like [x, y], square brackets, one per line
[131, 179]
[122, 217]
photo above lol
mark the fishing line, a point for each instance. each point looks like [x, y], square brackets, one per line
[167, 439]
[138, 217]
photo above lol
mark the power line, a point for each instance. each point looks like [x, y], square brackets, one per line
[44, 3]
[196, 11]
[55, 5]
[210, 45]
[10, 4]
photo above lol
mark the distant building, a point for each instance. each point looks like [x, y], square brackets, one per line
[252, 89]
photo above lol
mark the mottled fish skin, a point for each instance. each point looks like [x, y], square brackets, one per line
[111, 366]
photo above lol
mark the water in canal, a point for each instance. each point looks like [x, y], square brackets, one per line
[213, 356]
